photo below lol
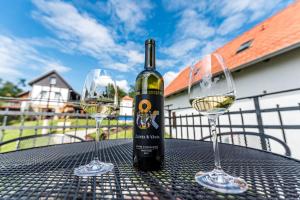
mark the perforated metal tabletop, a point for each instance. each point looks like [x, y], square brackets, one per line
[47, 173]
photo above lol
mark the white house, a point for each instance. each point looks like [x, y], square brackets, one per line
[265, 59]
[50, 92]
[126, 106]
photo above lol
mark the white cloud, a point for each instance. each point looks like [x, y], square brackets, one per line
[181, 54]
[164, 63]
[181, 47]
[123, 84]
[79, 31]
[122, 67]
[212, 45]
[191, 29]
[9, 56]
[231, 7]
[17, 56]
[131, 13]
[254, 9]
[176, 5]
[103, 80]
[185, 52]
[70, 25]
[55, 66]
[192, 24]
[232, 23]
[169, 76]
[263, 7]
[135, 56]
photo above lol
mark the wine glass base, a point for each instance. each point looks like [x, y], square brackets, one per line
[220, 181]
[94, 168]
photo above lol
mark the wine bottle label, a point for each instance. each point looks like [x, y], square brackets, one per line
[147, 124]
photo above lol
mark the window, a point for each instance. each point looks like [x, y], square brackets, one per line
[44, 94]
[244, 46]
[57, 95]
[52, 81]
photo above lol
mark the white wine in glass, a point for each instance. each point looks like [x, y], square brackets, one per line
[211, 92]
[99, 99]
[212, 104]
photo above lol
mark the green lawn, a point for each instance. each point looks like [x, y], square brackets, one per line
[16, 133]
[12, 134]
[122, 134]
[42, 141]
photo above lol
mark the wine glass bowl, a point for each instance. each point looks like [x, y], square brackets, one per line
[211, 92]
[99, 99]
[99, 94]
[211, 87]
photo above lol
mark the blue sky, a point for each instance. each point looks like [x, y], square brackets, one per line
[74, 37]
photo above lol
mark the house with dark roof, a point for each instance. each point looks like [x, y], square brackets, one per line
[265, 59]
[51, 93]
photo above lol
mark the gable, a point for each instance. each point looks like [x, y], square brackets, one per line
[45, 81]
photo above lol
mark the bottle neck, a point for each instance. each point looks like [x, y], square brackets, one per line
[150, 56]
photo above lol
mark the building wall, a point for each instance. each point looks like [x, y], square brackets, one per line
[126, 107]
[50, 100]
[279, 73]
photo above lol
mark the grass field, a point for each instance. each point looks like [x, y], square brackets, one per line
[42, 141]
[16, 133]
[123, 134]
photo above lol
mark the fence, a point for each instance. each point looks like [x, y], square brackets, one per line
[32, 129]
[273, 128]
[27, 129]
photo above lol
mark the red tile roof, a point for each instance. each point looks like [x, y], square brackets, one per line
[277, 34]
[127, 98]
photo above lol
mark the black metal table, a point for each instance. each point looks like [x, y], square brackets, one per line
[47, 173]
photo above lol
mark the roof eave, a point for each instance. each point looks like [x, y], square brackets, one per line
[40, 77]
[48, 73]
[22, 93]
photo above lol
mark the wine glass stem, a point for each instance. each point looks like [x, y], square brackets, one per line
[212, 122]
[98, 125]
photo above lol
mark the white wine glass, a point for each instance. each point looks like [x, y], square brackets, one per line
[211, 92]
[99, 99]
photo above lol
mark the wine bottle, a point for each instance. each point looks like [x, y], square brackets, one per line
[148, 136]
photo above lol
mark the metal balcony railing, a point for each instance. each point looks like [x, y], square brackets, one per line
[274, 128]
[30, 128]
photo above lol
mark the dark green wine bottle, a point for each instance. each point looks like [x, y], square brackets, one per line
[148, 133]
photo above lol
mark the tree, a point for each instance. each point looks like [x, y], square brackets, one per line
[121, 93]
[131, 91]
[8, 89]
[22, 82]
[111, 91]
